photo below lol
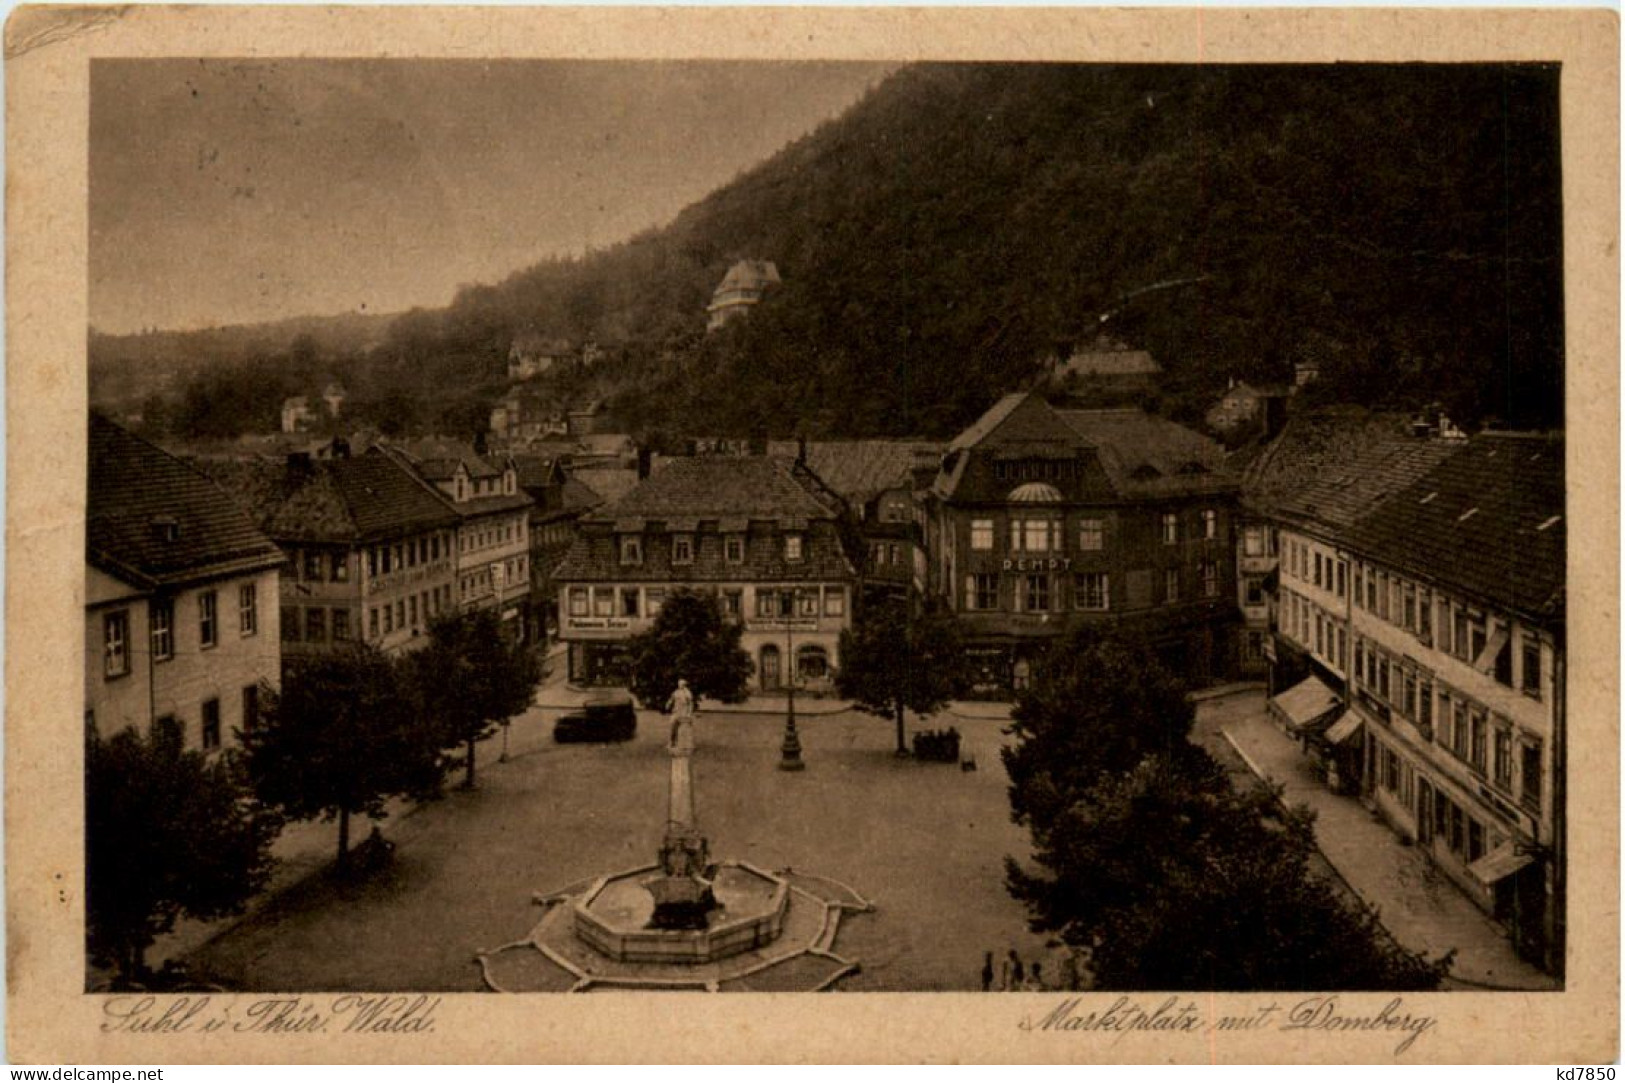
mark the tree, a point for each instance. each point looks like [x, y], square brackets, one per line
[341, 738]
[1151, 858]
[167, 833]
[1096, 705]
[693, 639]
[470, 679]
[897, 658]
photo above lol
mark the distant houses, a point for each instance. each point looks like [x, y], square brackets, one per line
[743, 287]
[1103, 365]
[532, 354]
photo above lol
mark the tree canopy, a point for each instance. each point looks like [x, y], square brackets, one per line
[1147, 855]
[342, 736]
[693, 639]
[471, 678]
[167, 833]
[899, 657]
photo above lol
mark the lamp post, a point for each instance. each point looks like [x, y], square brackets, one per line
[790, 750]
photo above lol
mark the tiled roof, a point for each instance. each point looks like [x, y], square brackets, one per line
[1329, 467]
[1110, 363]
[139, 496]
[750, 274]
[437, 458]
[860, 470]
[710, 486]
[1487, 520]
[610, 483]
[1146, 455]
[342, 501]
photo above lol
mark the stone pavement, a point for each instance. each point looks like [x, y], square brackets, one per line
[1414, 900]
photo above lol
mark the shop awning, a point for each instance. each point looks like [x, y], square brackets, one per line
[1344, 728]
[1499, 864]
[1306, 703]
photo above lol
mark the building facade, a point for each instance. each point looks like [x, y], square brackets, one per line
[1044, 520]
[755, 531]
[181, 616]
[743, 287]
[1458, 675]
[491, 551]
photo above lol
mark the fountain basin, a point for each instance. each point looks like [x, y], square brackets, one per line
[613, 916]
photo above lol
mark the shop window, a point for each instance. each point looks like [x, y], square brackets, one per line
[812, 663]
[1093, 591]
[1036, 593]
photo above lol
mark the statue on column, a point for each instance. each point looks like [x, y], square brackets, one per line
[682, 890]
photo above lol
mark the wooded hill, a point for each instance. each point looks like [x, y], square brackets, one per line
[1399, 224]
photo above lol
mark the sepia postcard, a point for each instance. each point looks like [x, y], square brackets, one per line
[843, 511]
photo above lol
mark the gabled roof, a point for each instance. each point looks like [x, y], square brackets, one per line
[860, 470]
[152, 520]
[716, 486]
[1245, 390]
[1109, 363]
[1329, 467]
[1488, 520]
[360, 499]
[1147, 455]
[750, 274]
[437, 458]
[610, 483]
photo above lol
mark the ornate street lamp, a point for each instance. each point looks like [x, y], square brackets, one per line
[790, 750]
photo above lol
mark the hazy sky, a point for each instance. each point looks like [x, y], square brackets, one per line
[234, 191]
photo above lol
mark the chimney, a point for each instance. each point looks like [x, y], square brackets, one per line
[801, 451]
[644, 458]
[341, 448]
[300, 465]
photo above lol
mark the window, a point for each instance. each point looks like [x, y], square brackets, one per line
[1170, 528]
[1317, 569]
[807, 602]
[400, 614]
[1424, 716]
[629, 601]
[1459, 729]
[1210, 580]
[412, 610]
[389, 619]
[372, 563]
[1036, 593]
[981, 534]
[248, 617]
[211, 724]
[315, 624]
[812, 662]
[982, 591]
[1252, 541]
[654, 598]
[1371, 591]
[893, 553]
[1410, 608]
[792, 547]
[1254, 585]
[1035, 535]
[578, 602]
[1359, 586]
[208, 625]
[1502, 764]
[603, 601]
[1210, 524]
[1531, 667]
[341, 567]
[834, 602]
[290, 624]
[163, 629]
[313, 566]
[341, 625]
[631, 549]
[1478, 737]
[1091, 535]
[116, 643]
[1424, 617]
[1531, 774]
[733, 603]
[251, 706]
[682, 549]
[733, 548]
[1170, 585]
[1093, 591]
[1342, 578]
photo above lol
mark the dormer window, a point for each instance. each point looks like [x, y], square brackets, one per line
[462, 488]
[631, 549]
[733, 548]
[792, 547]
[682, 549]
[510, 482]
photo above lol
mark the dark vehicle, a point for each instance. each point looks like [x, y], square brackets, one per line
[606, 716]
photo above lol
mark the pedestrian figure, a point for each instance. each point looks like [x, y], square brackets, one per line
[987, 971]
[1013, 973]
[681, 709]
[1035, 980]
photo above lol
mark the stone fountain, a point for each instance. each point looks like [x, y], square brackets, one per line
[684, 922]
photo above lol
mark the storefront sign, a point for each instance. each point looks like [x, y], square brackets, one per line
[597, 627]
[1039, 564]
[780, 624]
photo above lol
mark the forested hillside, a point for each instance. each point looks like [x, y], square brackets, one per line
[1399, 224]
